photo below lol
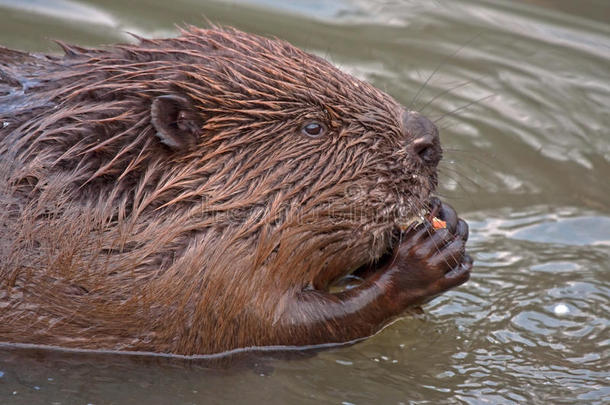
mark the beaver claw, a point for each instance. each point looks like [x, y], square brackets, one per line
[428, 261]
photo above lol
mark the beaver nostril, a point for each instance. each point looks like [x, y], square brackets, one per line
[424, 140]
[424, 148]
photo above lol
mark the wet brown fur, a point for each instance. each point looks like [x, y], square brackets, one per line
[112, 240]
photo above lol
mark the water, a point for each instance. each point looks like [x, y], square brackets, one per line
[521, 92]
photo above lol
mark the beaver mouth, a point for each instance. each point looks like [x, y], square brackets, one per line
[360, 274]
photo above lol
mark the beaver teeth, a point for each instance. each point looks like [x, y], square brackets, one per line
[415, 220]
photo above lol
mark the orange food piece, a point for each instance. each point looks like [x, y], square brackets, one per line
[438, 223]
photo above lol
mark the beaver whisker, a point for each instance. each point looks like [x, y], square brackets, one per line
[465, 106]
[436, 69]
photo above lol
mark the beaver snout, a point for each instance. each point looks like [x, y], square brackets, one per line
[425, 143]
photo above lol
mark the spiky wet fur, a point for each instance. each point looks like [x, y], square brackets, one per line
[110, 240]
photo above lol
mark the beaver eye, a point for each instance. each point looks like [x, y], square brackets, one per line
[314, 129]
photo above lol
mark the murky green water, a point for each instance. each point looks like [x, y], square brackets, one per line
[521, 91]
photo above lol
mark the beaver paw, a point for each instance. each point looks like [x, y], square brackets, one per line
[429, 261]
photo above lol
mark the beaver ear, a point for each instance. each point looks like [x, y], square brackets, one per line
[175, 121]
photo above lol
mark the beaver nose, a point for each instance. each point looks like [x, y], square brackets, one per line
[425, 142]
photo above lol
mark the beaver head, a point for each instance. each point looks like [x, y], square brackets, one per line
[217, 166]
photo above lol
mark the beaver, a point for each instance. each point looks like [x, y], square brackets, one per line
[203, 193]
